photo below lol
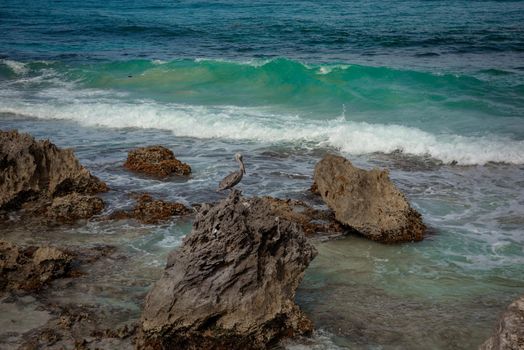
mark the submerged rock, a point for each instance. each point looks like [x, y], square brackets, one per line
[510, 331]
[38, 170]
[157, 161]
[31, 268]
[367, 201]
[232, 284]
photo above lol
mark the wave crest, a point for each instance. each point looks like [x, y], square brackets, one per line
[260, 125]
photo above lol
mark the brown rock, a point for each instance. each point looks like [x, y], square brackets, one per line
[157, 161]
[311, 220]
[150, 211]
[509, 334]
[38, 170]
[367, 201]
[32, 267]
[73, 207]
[232, 284]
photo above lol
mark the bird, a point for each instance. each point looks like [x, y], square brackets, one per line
[234, 178]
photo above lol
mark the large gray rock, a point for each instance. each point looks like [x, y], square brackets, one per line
[509, 334]
[231, 285]
[367, 201]
[32, 170]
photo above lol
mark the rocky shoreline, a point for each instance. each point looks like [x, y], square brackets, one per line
[232, 283]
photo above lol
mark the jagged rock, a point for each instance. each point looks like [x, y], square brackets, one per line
[151, 211]
[231, 285]
[157, 161]
[73, 207]
[311, 220]
[367, 201]
[32, 267]
[509, 334]
[32, 170]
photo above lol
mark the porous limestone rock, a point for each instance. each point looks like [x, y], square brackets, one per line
[367, 201]
[74, 206]
[32, 170]
[231, 285]
[30, 268]
[509, 334]
[151, 211]
[313, 221]
[156, 161]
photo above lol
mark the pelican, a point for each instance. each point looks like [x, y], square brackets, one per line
[232, 179]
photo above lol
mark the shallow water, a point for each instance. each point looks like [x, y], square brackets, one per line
[444, 292]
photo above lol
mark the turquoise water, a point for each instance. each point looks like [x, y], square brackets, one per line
[357, 109]
[432, 90]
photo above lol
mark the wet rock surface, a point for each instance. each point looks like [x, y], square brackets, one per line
[152, 211]
[367, 201]
[30, 268]
[38, 314]
[509, 334]
[74, 207]
[47, 182]
[73, 326]
[231, 285]
[312, 221]
[156, 161]
[33, 170]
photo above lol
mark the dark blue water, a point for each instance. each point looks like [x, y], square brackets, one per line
[426, 33]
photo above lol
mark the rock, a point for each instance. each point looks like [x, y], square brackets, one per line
[32, 170]
[73, 207]
[157, 161]
[231, 285]
[78, 326]
[151, 211]
[311, 220]
[32, 267]
[367, 201]
[509, 334]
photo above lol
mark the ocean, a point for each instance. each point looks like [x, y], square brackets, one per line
[431, 90]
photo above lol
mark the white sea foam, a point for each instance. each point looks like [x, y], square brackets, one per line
[257, 124]
[254, 62]
[18, 68]
[321, 340]
[323, 70]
